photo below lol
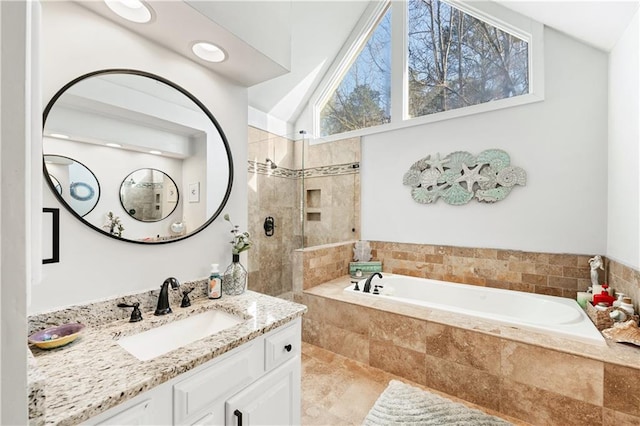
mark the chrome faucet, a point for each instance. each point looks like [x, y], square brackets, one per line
[163, 299]
[367, 283]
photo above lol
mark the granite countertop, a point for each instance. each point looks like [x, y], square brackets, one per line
[93, 373]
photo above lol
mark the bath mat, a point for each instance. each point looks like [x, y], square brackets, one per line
[401, 404]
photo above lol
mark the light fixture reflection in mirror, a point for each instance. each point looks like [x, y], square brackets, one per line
[140, 112]
[149, 195]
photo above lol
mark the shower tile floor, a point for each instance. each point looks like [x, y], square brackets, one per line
[339, 391]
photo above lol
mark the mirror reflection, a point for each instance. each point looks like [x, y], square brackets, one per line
[82, 190]
[116, 121]
[149, 195]
[56, 183]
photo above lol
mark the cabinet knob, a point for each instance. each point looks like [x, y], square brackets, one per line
[288, 347]
[238, 414]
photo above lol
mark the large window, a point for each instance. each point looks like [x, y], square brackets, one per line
[363, 97]
[453, 59]
[456, 60]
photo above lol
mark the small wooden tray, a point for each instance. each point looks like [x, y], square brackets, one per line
[602, 319]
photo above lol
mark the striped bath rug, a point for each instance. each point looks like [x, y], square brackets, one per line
[401, 404]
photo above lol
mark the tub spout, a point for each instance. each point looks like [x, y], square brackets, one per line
[367, 283]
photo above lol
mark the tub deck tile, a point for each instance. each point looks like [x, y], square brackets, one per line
[468, 383]
[616, 418]
[399, 330]
[621, 389]
[400, 361]
[540, 407]
[569, 375]
[469, 348]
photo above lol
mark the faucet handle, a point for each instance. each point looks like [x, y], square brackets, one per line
[186, 302]
[355, 282]
[136, 315]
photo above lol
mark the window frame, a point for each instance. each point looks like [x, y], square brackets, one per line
[492, 13]
[348, 55]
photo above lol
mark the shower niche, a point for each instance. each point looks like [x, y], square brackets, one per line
[314, 204]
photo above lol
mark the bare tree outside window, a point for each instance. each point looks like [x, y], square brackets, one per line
[363, 97]
[456, 60]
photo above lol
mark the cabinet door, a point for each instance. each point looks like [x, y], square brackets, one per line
[152, 407]
[139, 414]
[201, 397]
[272, 400]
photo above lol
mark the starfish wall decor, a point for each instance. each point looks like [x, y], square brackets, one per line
[460, 176]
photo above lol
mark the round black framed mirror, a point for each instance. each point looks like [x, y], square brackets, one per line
[117, 120]
[82, 187]
[149, 195]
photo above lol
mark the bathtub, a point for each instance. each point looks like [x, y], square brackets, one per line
[553, 315]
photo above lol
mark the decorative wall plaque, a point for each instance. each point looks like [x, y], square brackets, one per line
[460, 176]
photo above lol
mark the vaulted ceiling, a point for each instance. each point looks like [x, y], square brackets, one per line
[281, 49]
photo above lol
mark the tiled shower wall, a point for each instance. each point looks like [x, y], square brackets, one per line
[314, 191]
[331, 192]
[275, 193]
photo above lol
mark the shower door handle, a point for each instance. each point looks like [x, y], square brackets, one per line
[269, 226]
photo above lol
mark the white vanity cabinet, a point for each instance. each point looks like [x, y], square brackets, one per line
[149, 408]
[259, 381]
[275, 398]
[272, 400]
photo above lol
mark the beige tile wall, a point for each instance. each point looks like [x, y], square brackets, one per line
[625, 280]
[339, 217]
[544, 273]
[538, 385]
[339, 208]
[270, 259]
[319, 264]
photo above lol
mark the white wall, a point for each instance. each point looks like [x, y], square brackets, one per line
[623, 235]
[561, 143]
[19, 66]
[93, 266]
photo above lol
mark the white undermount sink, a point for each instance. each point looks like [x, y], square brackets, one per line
[160, 340]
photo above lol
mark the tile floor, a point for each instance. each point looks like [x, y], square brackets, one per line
[339, 391]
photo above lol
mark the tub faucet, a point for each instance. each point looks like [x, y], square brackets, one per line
[367, 283]
[163, 299]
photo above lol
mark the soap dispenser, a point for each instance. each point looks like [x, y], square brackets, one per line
[215, 283]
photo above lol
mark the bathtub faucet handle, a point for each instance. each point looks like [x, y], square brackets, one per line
[355, 288]
[367, 283]
[376, 287]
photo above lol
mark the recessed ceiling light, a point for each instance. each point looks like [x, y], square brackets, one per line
[131, 10]
[155, 152]
[59, 136]
[208, 52]
[114, 145]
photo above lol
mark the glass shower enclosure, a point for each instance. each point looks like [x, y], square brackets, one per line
[302, 193]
